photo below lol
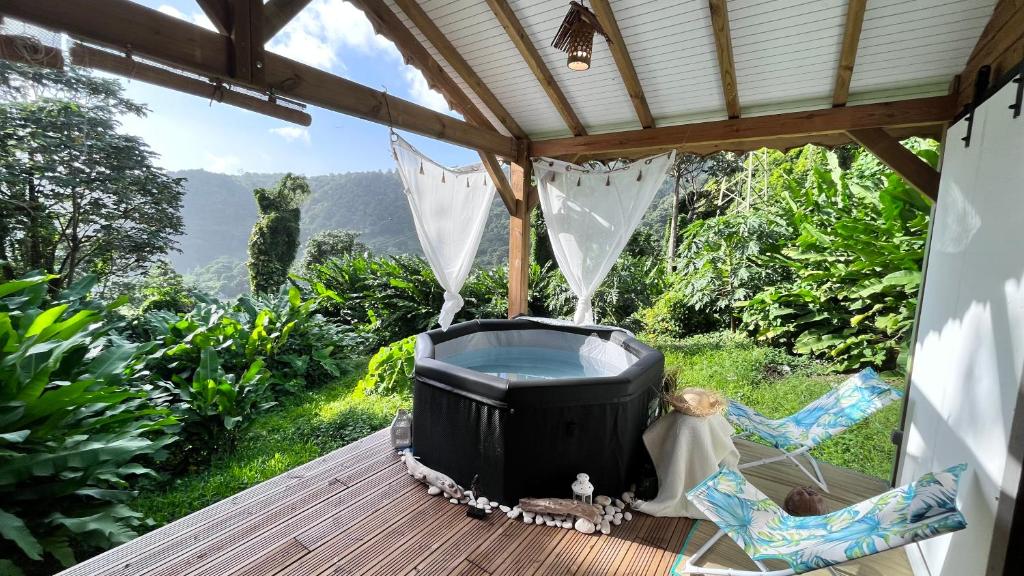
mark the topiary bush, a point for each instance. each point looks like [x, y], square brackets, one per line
[274, 240]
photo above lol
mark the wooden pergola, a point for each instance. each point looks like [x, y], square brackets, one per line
[694, 76]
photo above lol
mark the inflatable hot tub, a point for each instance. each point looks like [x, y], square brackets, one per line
[527, 405]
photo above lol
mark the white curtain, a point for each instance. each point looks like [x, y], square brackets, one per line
[449, 207]
[591, 214]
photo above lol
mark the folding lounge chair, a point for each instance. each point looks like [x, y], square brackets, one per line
[914, 512]
[856, 399]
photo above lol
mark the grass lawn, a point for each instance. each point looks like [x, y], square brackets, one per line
[302, 428]
[778, 384]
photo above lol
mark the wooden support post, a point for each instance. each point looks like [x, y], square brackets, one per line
[519, 237]
[912, 168]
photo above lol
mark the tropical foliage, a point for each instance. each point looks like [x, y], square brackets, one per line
[76, 426]
[856, 262]
[390, 370]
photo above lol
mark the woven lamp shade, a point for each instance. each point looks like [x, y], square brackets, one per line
[581, 46]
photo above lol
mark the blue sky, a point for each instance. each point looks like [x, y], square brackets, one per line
[190, 132]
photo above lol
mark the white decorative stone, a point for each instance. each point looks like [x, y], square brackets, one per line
[585, 526]
[617, 520]
[482, 501]
[469, 494]
[602, 500]
[627, 516]
[433, 490]
[529, 515]
[549, 522]
[490, 510]
[504, 508]
[619, 504]
[453, 500]
[607, 516]
[547, 518]
[566, 524]
[606, 527]
[628, 497]
[527, 519]
[513, 513]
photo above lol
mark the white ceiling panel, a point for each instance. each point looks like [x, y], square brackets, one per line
[786, 54]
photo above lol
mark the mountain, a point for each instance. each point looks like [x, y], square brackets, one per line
[219, 211]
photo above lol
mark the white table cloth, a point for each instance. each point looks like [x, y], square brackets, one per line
[685, 450]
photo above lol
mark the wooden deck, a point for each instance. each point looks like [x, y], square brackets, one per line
[356, 511]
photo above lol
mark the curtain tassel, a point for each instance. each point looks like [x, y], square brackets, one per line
[421, 167]
[639, 175]
[442, 176]
[608, 182]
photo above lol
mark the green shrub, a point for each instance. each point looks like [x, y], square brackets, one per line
[391, 370]
[673, 316]
[633, 283]
[220, 364]
[74, 425]
[856, 264]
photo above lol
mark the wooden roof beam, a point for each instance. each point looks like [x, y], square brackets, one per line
[1000, 46]
[388, 24]
[454, 59]
[848, 53]
[503, 12]
[792, 126]
[723, 47]
[918, 173]
[605, 15]
[119, 24]
[278, 13]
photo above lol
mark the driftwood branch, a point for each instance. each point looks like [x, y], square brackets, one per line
[431, 477]
[561, 507]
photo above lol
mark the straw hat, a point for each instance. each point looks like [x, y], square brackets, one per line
[698, 402]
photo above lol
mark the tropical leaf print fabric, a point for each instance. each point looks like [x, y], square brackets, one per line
[856, 399]
[917, 511]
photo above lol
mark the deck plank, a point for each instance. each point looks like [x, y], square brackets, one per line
[356, 511]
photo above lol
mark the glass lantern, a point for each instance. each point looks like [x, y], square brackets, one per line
[401, 430]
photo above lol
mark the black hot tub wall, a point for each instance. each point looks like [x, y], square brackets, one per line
[531, 438]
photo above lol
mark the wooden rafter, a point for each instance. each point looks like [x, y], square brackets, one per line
[385, 22]
[278, 13]
[605, 15]
[503, 12]
[1000, 46]
[120, 24]
[501, 183]
[848, 53]
[89, 57]
[723, 47]
[791, 126]
[219, 13]
[452, 56]
[910, 166]
[247, 41]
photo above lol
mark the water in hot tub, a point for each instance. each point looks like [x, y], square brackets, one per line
[531, 363]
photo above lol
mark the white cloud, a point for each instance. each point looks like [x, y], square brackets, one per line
[292, 133]
[197, 18]
[317, 34]
[421, 93]
[223, 164]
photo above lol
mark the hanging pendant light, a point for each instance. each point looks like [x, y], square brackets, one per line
[575, 36]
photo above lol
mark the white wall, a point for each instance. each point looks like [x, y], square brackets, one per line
[969, 351]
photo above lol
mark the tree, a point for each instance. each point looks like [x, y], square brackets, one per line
[691, 174]
[327, 244]
[76, 195]
[274, 240]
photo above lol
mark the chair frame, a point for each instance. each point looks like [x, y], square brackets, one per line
[817, 477]
[691, 568]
